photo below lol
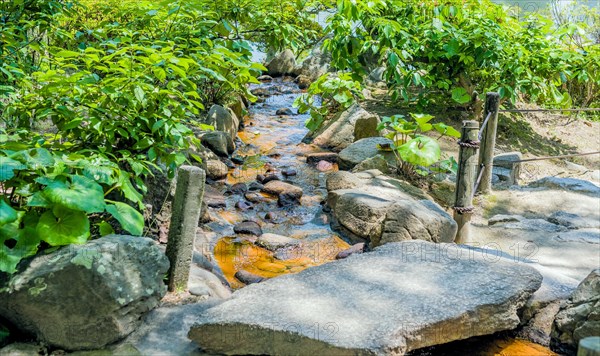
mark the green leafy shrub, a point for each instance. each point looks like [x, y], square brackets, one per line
[434, 52]
[49, 197]
[413, 150]
[102, 105]
[328, 94]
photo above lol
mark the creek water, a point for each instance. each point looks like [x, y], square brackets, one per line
[272, 144]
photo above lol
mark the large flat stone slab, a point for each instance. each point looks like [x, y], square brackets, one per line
[400, 297]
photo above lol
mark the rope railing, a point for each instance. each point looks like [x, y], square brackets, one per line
[485, 122]
[556, 157]
[477, 146]
[550, 110]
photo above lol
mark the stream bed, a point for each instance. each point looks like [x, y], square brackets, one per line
[272, 145]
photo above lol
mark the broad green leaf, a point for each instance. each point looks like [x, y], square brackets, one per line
[67, 54]
[423, 121]
[139, 94]
[420, 151]
[105, 228]
[38, 200]
[8, 166]
[35, 158]
[80, 193]
[460, 95]
[101, 174]
[159, 73]
[63, 226]
[17, 243]
[451, 48]
[7, 213]
[446, 130]
[128, 189]
[129, 218]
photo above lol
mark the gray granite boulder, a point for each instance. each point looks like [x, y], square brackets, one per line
[282, 64]
[86, 296]
[369, 206]
[580, 316]
[219, 142]
[363, 150]
[397, 298]
[338, 132]
[223, 119]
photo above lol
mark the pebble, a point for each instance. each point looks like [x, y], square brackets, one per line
[254, 186]
[314, 158]
[289, 172]
[255, 197]
[248, 228]
[288, 199]
[271, 216]
[284, 112]
[237, 159]
[324, 166]
[264, 179]
[265, 78]
[247, 277]
[242, 205]
[239, 188]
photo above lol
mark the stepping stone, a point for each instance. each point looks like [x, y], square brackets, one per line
[273, 242]
[400, 297]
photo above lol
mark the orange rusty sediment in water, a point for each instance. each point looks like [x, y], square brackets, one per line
[244, 174]
[512, 347]
[234, 256]
[230, 216]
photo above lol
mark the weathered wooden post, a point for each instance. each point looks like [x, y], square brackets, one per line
[465, 179]
[590, 346]
[488, 142]
[185, 213]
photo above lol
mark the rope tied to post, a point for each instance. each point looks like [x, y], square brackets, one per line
[462, 210]
[469, 143]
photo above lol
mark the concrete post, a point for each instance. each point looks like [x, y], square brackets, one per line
[185, 214]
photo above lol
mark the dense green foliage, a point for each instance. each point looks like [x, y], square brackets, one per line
[97, 95]
[437, 53]
[433, 51]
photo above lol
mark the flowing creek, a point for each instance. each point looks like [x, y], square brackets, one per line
[272, 144]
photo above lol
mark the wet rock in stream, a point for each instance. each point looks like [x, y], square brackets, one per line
[264, 179]
[284, 112]
[315, 158]
[242, 205]
[272, 242]
[356, 248]
[214, 198]
[238, 188]
[289, 172]
[216, 170]
[248, 228]
[248, 278]
[324, 166]
[255, 186]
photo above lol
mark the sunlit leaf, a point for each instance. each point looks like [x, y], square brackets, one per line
[76, 193]
[62, 226]
[420, 151]
[130, 219]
